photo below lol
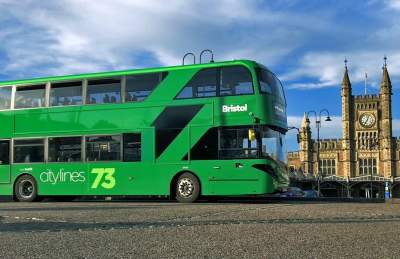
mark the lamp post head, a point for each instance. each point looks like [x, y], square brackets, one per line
[328, 118]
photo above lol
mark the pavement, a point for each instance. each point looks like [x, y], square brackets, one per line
[232, 229]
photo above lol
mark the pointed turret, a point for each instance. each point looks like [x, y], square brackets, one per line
[346, 80]
[386, 141]
[386, 79]
[305, 123]
[346, 84]
[306, 145]
[386, 84]
[347, 122]
[346, 95]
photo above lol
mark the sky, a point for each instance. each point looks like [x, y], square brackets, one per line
[303, 42]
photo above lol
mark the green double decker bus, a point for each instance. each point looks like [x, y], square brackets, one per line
[215, 129]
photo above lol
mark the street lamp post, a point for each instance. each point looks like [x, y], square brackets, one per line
[372, 146]
[348, 186]
[318, 126]
[297, 137]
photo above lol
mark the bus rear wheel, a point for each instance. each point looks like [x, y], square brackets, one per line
[187, 188]
[25, 189]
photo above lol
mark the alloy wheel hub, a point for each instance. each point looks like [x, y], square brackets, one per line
[26, 189]
[185, 187]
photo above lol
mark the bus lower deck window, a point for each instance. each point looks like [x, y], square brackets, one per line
[103, 148]
[4, 152]
[65, 149]
[29, 150]
[132, 147]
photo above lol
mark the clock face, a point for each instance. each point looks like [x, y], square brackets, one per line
[367, 120]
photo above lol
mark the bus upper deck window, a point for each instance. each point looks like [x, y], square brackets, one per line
[212, 82]
[269, 83]
[104, 91]
[66, 93]
[266, 81]
[236, 80]
[203, 84]
[138, 87]
[30, 96]
[5, 97]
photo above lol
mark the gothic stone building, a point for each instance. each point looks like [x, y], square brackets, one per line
[367, 154]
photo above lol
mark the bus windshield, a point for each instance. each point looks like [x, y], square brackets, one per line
[273, 144]
[235, 143]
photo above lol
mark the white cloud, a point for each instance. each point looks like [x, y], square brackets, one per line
[58, 37]
[76, 36]
[328, 68]
[364, 47]
[312, 85]
[71, 36]
[393, 4]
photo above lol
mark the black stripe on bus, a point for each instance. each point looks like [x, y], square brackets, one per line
[171, 122]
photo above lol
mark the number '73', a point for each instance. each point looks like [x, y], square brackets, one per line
[105, 176]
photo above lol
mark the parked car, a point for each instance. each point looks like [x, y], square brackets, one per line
[310, 193]
[292, 192]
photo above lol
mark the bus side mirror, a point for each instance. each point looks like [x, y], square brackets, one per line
[298, 138]
[252, 134]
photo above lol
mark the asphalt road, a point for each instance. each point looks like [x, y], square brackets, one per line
[240, 229]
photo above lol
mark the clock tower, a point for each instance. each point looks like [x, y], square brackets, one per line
[367, 130]
[367, 151]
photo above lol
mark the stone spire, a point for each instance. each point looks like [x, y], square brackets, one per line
[386, 84]
[386, 141]
[346, 98]
[306, 152]
[347, 123]
[346, 80]
[305, 123]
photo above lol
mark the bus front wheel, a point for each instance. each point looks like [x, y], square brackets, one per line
[187, 188]
[25, 189]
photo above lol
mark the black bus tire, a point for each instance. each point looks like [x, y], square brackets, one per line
[187, 188]
[25, 189]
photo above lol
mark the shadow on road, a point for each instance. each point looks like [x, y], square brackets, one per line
[49, 226]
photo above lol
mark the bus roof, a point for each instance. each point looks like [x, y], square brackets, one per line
[123, 72]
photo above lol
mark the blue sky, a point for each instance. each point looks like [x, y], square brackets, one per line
[303, 42]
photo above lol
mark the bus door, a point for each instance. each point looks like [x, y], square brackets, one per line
[5, 169]
[232, 172]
